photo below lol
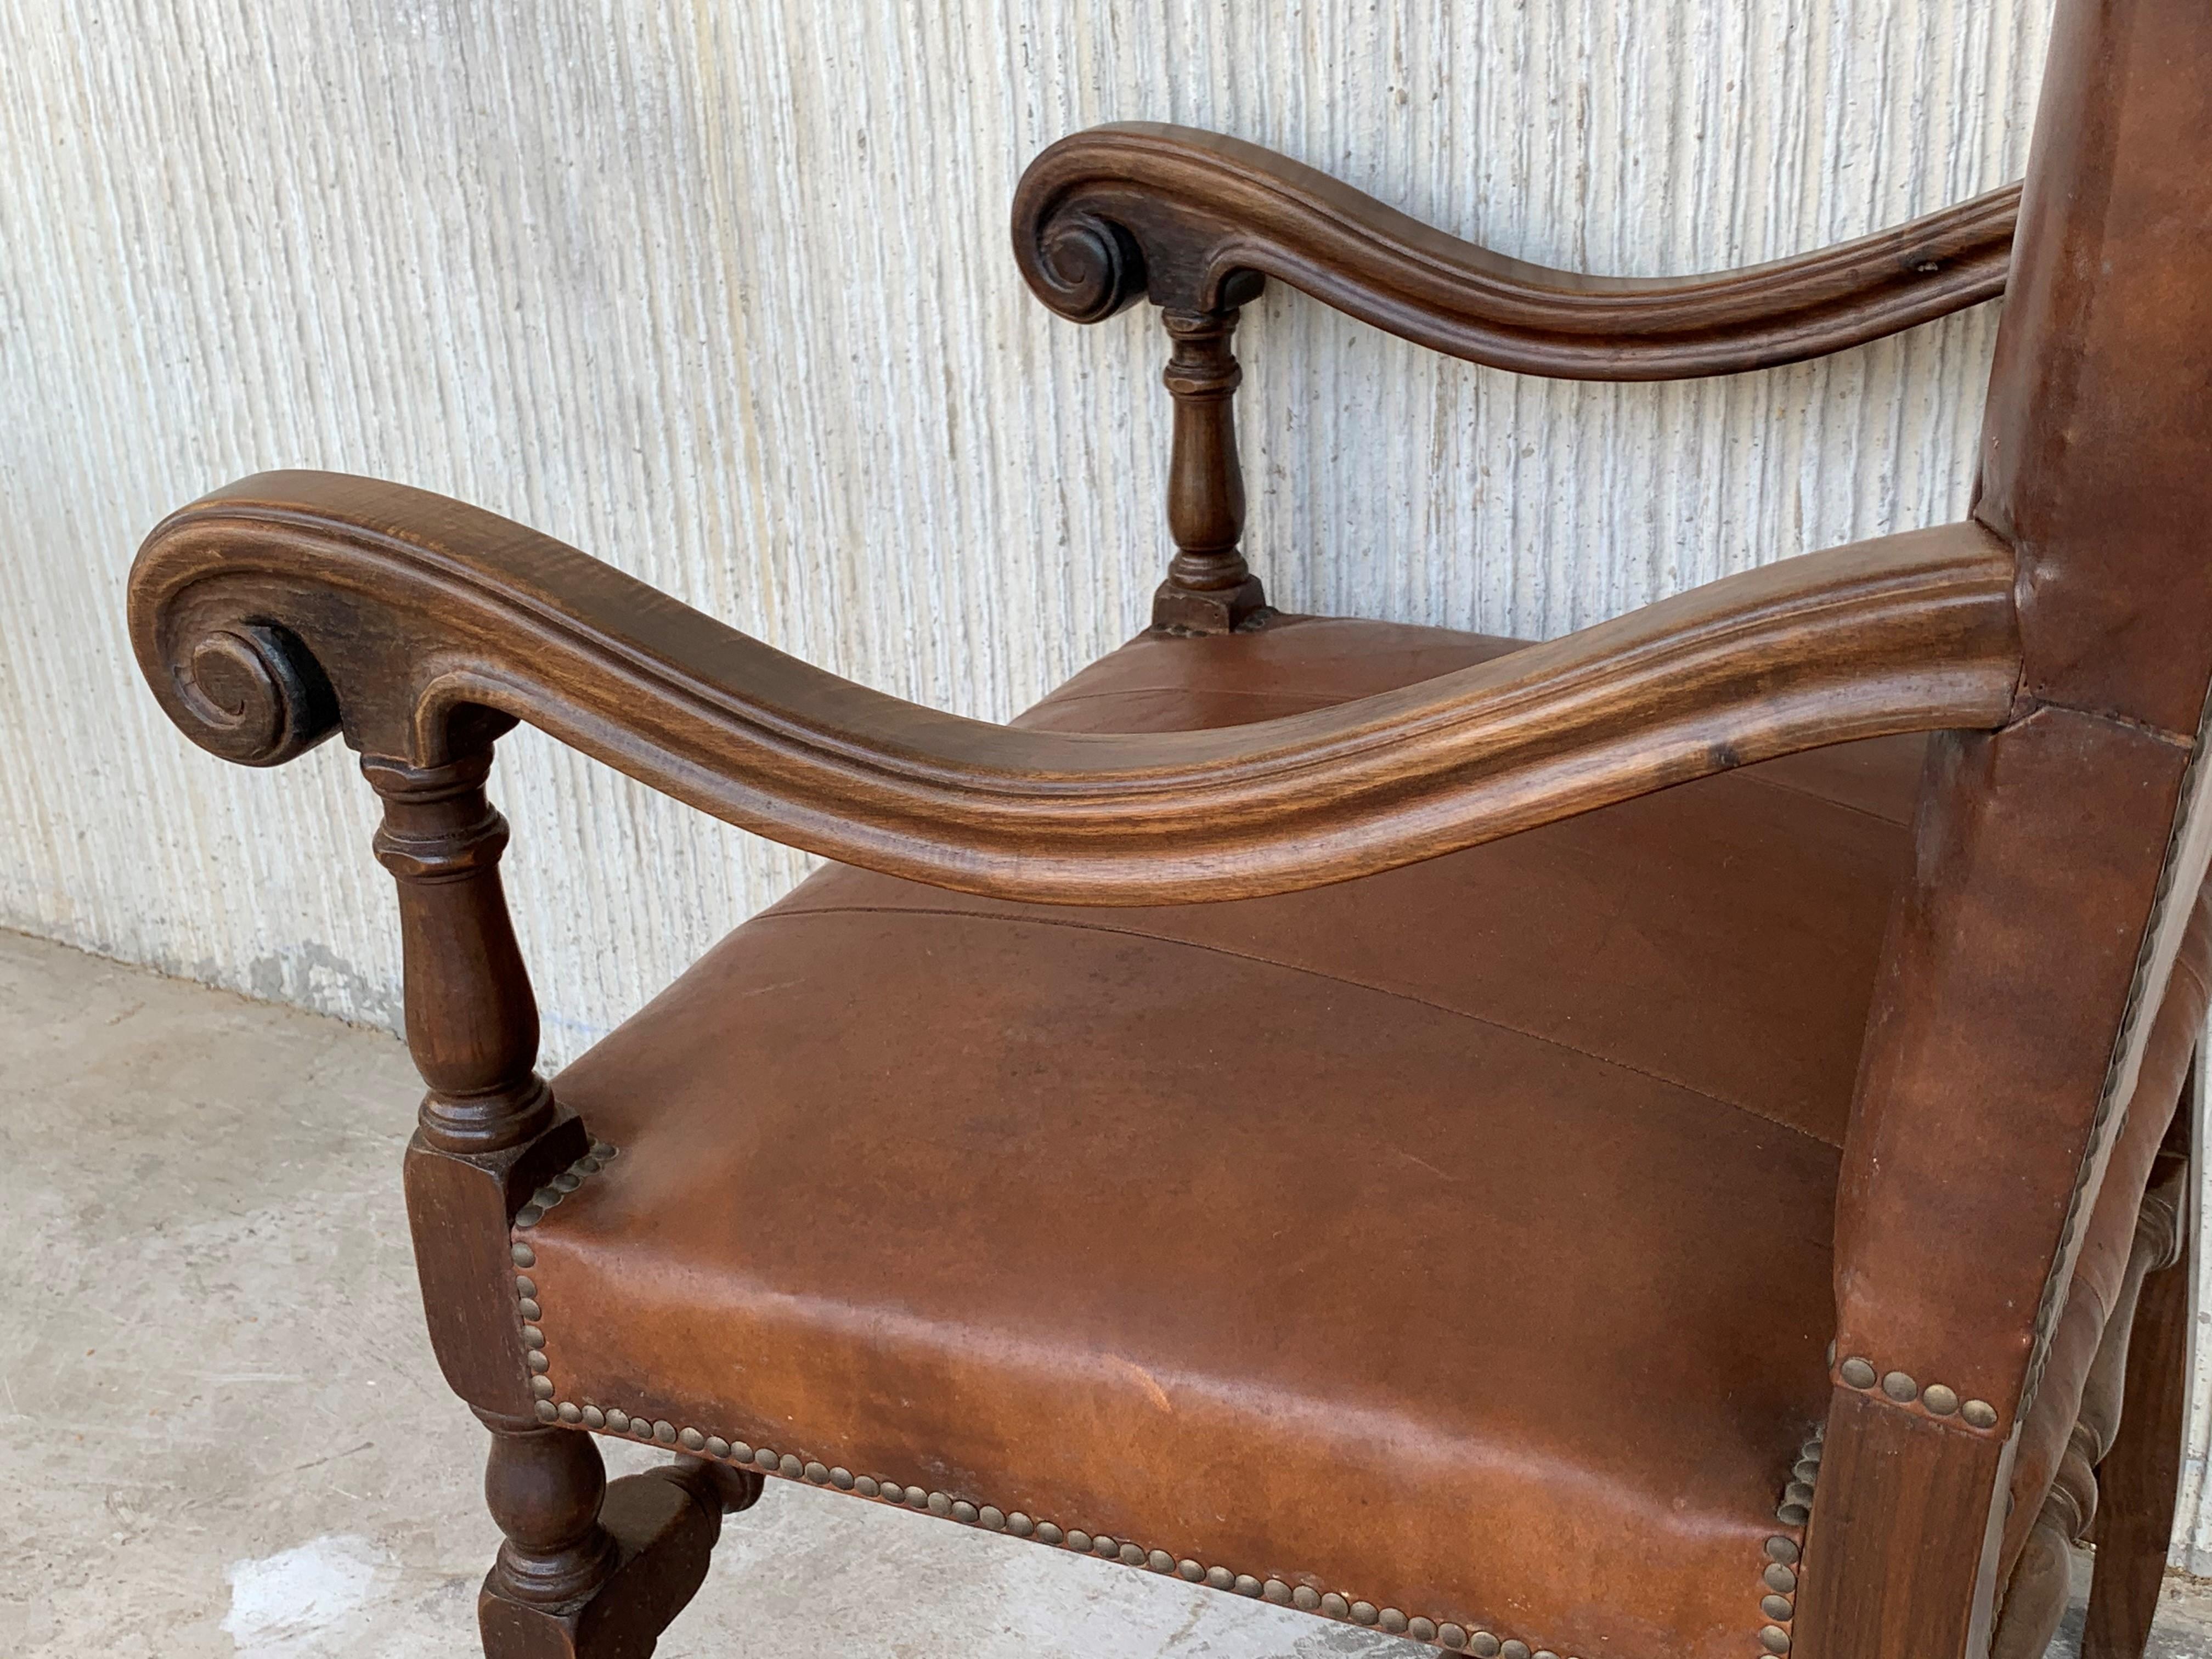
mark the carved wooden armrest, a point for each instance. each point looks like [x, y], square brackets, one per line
[1198, 221]
[289, 605]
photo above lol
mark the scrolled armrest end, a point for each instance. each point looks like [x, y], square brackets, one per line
[248, 692]
[1082, 267]
[1107, 217]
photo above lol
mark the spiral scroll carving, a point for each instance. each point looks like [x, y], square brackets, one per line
[1083, 267]
[252, 693]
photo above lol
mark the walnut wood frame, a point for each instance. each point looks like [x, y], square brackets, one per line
[1198, 221]
[2060, 641]
[292, 605]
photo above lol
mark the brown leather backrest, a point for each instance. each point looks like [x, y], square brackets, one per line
[2056, 855]
[2098, 426]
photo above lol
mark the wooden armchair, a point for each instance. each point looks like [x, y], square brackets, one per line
[1636, 1145]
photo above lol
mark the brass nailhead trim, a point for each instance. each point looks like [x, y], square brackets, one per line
[1778, 1604]
[1454, 1637]
[1937, 1399]
[613, 1419]
[530, 1313]
[2102, 1125]
[554, 1191]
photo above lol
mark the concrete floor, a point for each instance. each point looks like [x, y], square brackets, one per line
[225, 1434]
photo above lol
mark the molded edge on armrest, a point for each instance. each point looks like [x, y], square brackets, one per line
[270, 611]
[1196, 218]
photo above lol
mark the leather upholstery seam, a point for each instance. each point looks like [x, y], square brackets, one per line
[2173, 740]
[782, 915]
[2103, 1127]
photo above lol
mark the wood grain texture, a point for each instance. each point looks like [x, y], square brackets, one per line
[1191, 218]
[1904, 1534]
[289, 603]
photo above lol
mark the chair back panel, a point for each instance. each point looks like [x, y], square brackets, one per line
[2058, 855]
[2095, 459]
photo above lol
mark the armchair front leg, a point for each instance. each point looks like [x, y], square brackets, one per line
[587, 1570]
[1901, 1556]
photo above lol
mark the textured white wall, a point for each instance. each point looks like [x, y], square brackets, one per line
[720, 292]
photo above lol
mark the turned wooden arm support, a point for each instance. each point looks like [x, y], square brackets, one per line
[1197, 222]
[289, 605]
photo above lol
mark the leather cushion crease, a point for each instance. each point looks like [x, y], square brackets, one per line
[1458, 1239]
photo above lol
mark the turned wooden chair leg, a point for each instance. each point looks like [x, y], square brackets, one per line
[590, 1570]
[1901, 1554]
[2140, 1477]
[544, 1487]
[587, 1570]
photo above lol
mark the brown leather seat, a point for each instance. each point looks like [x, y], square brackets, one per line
[1455, 1241]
